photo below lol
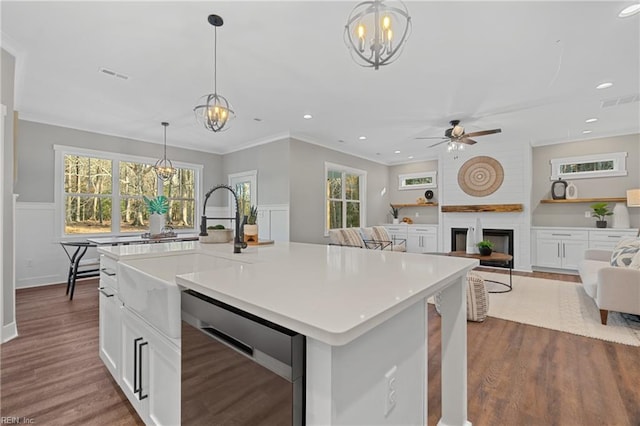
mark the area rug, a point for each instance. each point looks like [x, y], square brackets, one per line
[561, 306]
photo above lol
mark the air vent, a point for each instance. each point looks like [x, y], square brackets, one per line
[620, 101]
[113, 74]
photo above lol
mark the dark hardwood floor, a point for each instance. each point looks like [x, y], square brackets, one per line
[518, 374]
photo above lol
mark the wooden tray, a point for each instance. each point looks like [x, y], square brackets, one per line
[261, 243]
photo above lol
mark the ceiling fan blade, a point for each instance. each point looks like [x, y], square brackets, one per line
[438, 143]
[483, 133]
[467, 141]
[431, 137]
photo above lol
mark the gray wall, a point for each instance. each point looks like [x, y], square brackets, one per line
[272, 163]
[307, 183]
[573, 214]
[425, 214]
[36, 156]
[7, 94]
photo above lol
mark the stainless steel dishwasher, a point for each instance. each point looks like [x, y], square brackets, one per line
[237, 368]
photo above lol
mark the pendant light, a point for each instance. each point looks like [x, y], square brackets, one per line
[376, 32]
[214, 111]
[164, 168]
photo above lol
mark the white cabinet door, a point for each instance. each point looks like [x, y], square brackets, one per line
[548, 253]
[150, 373]
[162, 361]
[413, 243]
[573, 253]
[110, 318]
[133, 331]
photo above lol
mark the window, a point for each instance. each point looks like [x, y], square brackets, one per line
[102, 193]
[344, 195]
[245, 185]
[589, 166]
[417, 180]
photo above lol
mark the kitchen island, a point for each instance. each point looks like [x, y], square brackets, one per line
[363, 313]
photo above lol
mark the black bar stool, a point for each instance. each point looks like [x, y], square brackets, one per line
[79, 268]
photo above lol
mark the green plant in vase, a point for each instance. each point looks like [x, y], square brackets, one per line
[395, 211]
[158, 208]
[600, 211]
[485, 247]
[251, 228]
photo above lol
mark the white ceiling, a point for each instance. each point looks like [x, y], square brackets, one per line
[530, 68]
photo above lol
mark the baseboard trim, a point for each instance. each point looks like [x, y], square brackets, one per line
[9, 332]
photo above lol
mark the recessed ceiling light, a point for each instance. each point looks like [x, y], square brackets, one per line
[590, 120]
[396, 152]
[411, 157]
[307, 116]
[629, 11]
[362, 138]
[586, 132]
[604, 85]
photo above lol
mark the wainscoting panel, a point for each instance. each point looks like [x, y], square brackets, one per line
[273, 222]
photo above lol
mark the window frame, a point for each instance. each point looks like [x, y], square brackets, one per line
[62, 150]
[333, 167]
[402, 180]
[619, 166]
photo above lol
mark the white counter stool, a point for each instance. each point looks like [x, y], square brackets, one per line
[78, 266]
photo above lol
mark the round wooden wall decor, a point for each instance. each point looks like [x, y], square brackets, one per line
[480, 176]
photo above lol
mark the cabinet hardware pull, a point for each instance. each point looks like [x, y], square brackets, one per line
[109, 272]
[558, 249]
[561, 235]
[140, 395]
[613, 236]
[135, 364]
[101, 290]
[564, 250]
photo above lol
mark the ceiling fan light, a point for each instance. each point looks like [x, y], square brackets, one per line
[629, 11]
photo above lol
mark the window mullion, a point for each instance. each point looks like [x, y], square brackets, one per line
[115, 196]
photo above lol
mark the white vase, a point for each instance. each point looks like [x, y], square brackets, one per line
[478, 234]
[471, 241]
[156, 223]
[620, 216]
[396, 221]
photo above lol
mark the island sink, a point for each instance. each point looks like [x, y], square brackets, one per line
[148, 286]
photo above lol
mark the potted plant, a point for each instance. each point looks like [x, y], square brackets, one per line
[157, 208]
[217, 234]
[485, 247]
[394, 212]
[600, 211]
[251, 228]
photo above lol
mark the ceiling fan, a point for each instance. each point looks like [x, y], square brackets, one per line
[456, 134]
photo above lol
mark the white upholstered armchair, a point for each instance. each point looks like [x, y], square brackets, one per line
[613, 288]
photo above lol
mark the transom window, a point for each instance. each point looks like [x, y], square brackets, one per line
[589, 166]
[417, 180]
[102, 193]
[344, 197]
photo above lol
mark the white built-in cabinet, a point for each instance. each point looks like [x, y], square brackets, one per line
[563, 248]
[110, 317]
[419, 238]
[422, 239]
[150, 373]
[144, 362]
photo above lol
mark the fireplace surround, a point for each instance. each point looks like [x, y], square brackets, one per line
[502, 240]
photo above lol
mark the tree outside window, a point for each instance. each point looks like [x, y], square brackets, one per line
[344, 189]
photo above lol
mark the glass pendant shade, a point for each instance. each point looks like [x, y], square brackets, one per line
[163, 167]
[214, 110]
[377, 31]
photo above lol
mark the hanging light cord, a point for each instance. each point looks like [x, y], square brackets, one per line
[215, 60]
[165, 141]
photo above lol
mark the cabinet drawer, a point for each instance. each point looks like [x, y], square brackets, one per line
[108, 264]
[397, 229]
[561, 234]
[423, 230]
[610, 235]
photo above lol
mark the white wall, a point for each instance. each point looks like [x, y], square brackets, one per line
[417, 214]
[515, 189]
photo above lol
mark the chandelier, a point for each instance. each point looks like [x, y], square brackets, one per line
[372, 30]
[164, 168]
[214, 111]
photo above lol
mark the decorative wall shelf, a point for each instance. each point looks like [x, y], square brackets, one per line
[415, 205]
[588, 200]
[497, 208]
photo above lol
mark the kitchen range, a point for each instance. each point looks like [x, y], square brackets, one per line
[291, 333]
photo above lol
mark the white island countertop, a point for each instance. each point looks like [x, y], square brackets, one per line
[330, 293]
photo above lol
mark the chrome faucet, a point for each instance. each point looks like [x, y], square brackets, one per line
[237, 243]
